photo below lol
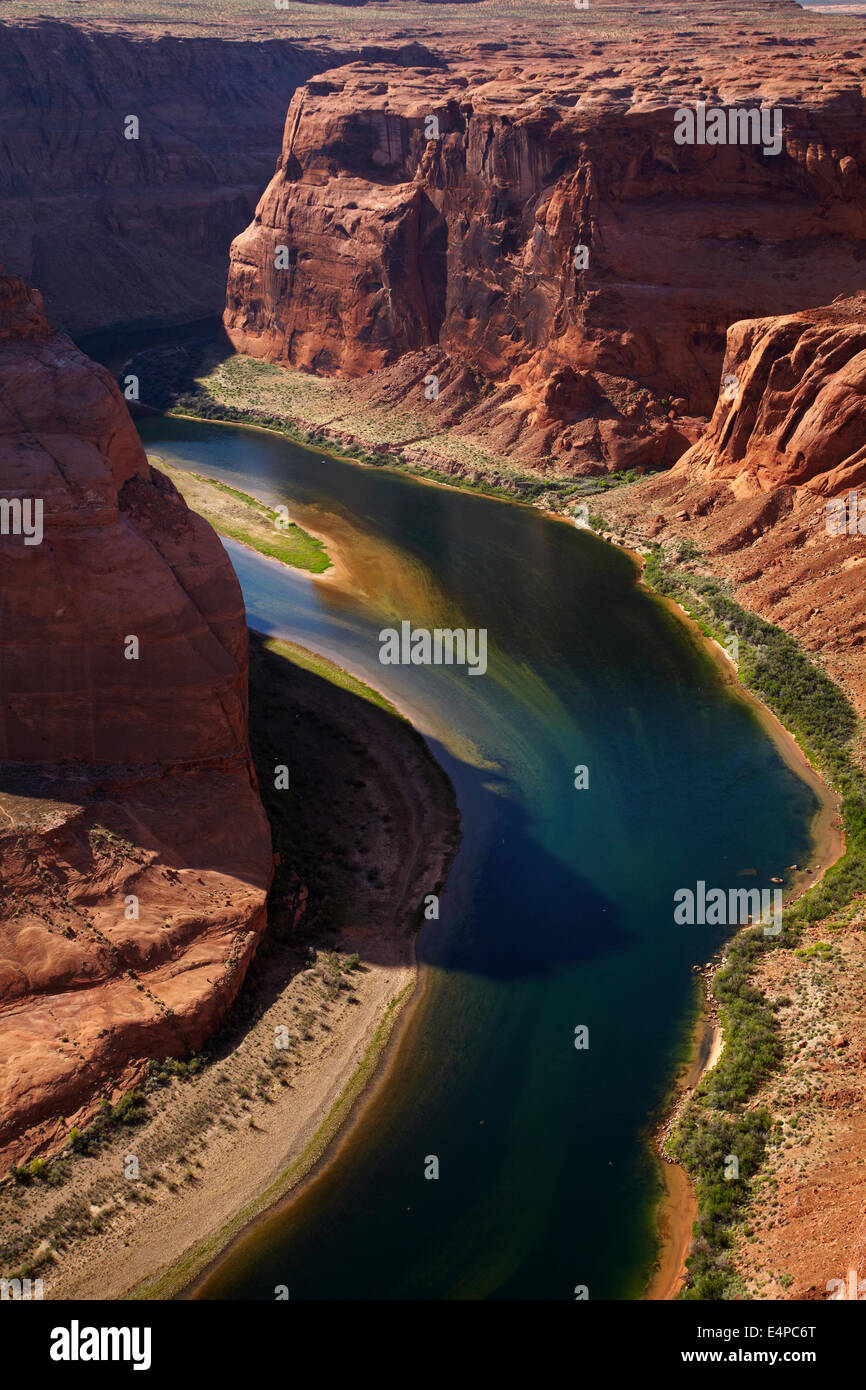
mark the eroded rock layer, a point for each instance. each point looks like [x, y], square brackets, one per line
[134, 852]
[126, 226]
[441, 206]
[753, 493]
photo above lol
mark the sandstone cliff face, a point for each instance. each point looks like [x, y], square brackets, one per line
[117, 231]
[134, 852]
[135, 233]
[792, 413]
[396, 243]
[753, 492]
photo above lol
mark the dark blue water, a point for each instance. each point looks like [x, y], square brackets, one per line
[559, 909]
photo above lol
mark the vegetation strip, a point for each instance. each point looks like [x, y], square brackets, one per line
[557, 493]
[716, 1122]
[248, 520]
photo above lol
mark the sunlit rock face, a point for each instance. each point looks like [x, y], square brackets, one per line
[443, 205]
[134, 852]
[774, 492]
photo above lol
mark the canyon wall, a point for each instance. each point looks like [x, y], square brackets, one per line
[135, 232]
[130, 233]
[395, 242]
[792, 413]
[788, 436]
[135, 856]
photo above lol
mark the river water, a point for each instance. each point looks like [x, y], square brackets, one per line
[558, 912]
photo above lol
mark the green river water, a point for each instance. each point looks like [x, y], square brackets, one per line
[558, 911]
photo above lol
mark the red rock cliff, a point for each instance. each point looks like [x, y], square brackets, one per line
[792, 413]
[396, 242]
[788, 435]
[134, 852]
[147, 222]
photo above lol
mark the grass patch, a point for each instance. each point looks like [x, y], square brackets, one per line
[244, 518]
[320, 666]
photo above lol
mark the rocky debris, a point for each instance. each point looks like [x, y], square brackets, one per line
[805, 1228]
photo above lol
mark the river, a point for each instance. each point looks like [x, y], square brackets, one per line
[558, 913]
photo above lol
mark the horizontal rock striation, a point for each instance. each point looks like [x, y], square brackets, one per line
[134, 233]
[135, 856]
[396, 243]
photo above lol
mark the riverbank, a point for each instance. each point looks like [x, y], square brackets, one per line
[247, 520]
[678, 1204]
[323, 413]
[828, 840]
[679, 1207]
[793, 755]
[368, 826]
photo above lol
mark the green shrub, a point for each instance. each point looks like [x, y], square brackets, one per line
[715, 1122]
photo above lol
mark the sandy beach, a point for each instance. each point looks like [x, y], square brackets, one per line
[311, 1025]
[246, 1164]
[678, 1207]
